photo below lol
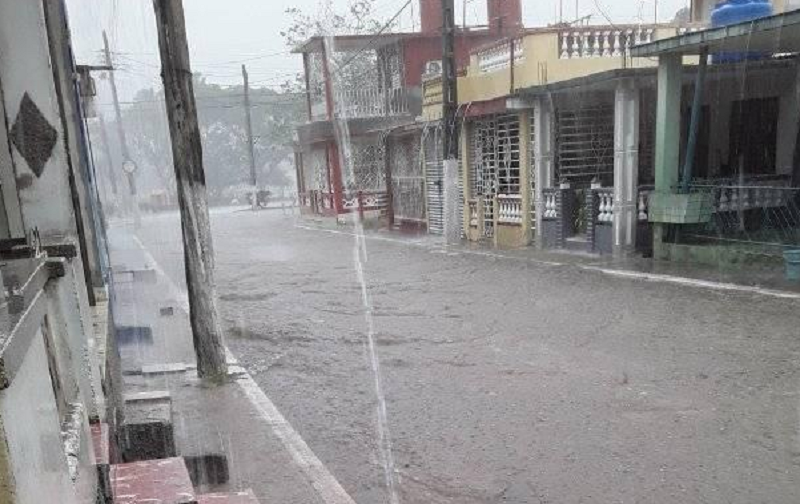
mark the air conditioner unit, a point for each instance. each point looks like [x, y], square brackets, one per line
[433, 67]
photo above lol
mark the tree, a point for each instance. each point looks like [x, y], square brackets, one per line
[275, 114]
[360, 17]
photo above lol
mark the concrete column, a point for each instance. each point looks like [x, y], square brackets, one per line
[626, 166]
[668, 120]
[525, 173]
[466, 159]
[543, 156]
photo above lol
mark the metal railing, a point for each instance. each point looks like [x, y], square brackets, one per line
[371, 102]
[761, 212]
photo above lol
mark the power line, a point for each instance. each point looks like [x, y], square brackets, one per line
[603, 13]
[214, 62]
[374, 37]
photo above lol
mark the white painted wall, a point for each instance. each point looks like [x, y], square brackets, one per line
[25, 67]
[33, 434]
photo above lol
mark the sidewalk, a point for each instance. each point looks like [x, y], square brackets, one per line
[208, 421]
[754, 279]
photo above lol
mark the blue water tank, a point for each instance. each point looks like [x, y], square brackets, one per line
[738, 11]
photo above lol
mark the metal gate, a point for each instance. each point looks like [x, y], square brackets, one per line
[434, 178]
[408, 181]
[585, 144]
[532, 172]
[495, 166]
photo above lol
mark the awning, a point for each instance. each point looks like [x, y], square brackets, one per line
[773, 34]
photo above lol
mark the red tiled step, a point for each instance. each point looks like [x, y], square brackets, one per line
[161, 481]
[245, 497]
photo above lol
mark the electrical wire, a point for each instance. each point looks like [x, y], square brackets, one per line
[374, 38]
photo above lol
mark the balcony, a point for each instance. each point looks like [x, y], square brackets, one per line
[554, 54]
[364, 103]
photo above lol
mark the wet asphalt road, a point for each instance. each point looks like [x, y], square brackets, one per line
[508, 381]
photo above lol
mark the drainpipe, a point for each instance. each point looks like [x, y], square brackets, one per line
[694, 125]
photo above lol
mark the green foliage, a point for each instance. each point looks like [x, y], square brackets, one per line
[275, 114]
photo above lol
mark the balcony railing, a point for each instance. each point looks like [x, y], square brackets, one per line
[602, 43]
[498, 56]
[371, 102]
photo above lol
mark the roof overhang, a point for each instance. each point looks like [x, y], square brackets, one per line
[347, 43]
[773, 34]
[609, 79]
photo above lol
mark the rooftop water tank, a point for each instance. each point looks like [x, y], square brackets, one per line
[738, 11]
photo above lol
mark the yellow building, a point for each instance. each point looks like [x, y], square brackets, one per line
[518, 96]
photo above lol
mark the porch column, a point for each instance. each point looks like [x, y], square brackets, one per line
[668, 119]
[626, 166]
[525, 172]
[543, 156]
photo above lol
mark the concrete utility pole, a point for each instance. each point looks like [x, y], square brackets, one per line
[190, 178]
[249, 127]
[112, 176]
[123, 140]
[450, 133]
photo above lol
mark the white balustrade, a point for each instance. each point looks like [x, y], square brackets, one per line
[509, 208]
[370, 102]
[498, 57]
[740, 198]
[605, 206]
[550, 205]
[644, 205]
[473, 213]
[602, 44]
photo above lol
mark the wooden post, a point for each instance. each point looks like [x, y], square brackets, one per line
[191, 183]
[361, 206]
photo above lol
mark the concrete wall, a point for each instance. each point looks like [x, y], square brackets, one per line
[31, 429]
[25, 68]
[543, 64]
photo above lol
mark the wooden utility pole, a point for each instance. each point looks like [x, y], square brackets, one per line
[249, 128]
[190, 179]
[449, 82]
[450, 130]
[123, 140]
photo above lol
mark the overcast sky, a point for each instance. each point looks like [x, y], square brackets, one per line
[225, 33]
